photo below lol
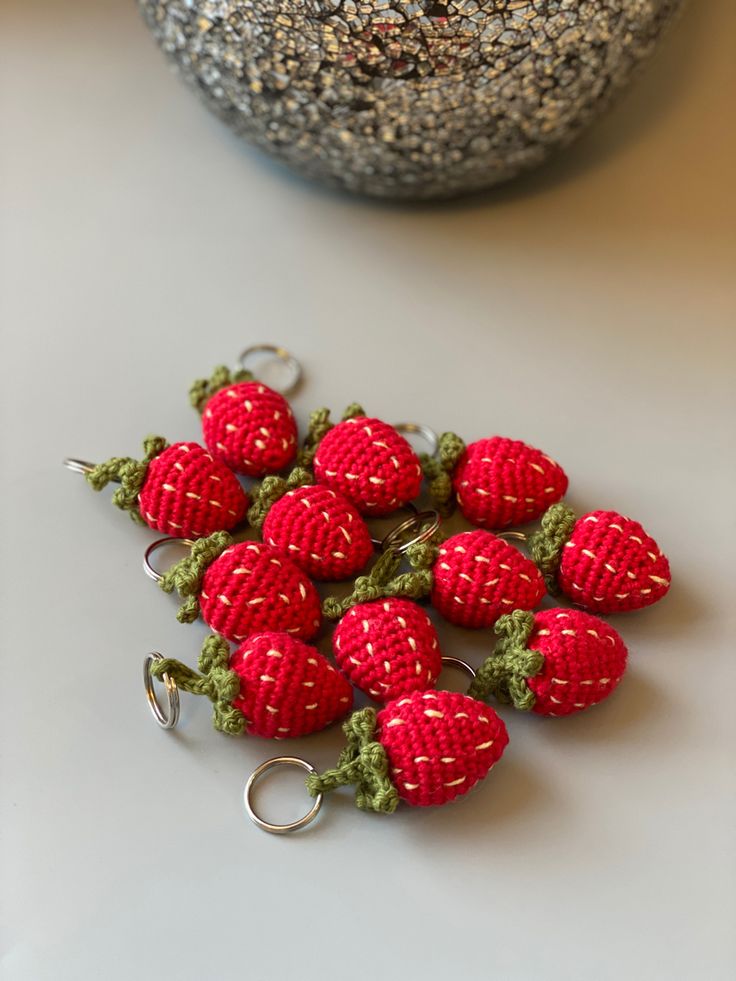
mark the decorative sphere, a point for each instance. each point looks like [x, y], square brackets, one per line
[408, 98]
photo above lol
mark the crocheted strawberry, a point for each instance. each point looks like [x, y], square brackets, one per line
[179, 489]
[603, 561]
[388, 648]
[554, 662]
[472, 578]
[316, 526]
[244, 588]
[478, 576]
[273, 686]
[368, 462]
[496, 482]
[426, 748]
[247, 425]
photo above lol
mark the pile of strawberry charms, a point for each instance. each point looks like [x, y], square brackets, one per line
[255, 554]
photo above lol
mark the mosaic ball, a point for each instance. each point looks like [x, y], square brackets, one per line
[408, 99]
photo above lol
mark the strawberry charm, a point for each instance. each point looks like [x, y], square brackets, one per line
[273, 685]
[178, 489]
[365, 460]
[244, 588]
[388, 648]
[314, 525]
[554, 662]
[246, 424]
[425, 748]
[603, 561]
[471, 578]
[496, 482]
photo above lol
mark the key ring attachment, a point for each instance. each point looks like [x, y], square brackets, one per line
[459, 665]
[418, 429]
[153, 547]
[378, 542]
[280, 354]
[78, 466]
[260, 771]
[516, 536]
[168, 718]
[415, 522]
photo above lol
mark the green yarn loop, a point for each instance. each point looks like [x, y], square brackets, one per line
[438, 471]
[202, 390]
[217, 682]
[186, 575]
[129, 473]
[354, 411]
[504, 674]
[545, 546]
[383, 580]
[273, 489]
[363, 764]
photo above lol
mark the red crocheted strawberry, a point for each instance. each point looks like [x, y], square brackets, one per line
[179, 489]
[500, 482]
[554, 662]
[472, 578]
[478, 577]
[316, 526]
[244, 588]
[371, 464]
[426, 748]
[388, 648]
[273, 686]
[602, 561]
[247, 425]
[497, 482]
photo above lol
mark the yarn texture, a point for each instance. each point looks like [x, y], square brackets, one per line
[244, 588]
[370, 464]
[388, 648]
[247, 425]
[428, 747]
[477, 577]
[606, 562]
[272, 686]
[179, 490]
[500, 482]
[321, 531]
[554, 662]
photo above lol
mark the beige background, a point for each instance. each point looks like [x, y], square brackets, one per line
[587, 308]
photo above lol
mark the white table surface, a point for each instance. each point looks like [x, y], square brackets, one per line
[587, 309]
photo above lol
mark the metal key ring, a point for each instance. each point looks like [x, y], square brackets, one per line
[279, 829]
[417, 429]
[459, 665]
[159, 543]
[78, 466]
[281, 354]
[416, 521]
[167, 720]
[378, 542]
[517, 536]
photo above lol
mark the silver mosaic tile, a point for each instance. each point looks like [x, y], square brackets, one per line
[408, 98]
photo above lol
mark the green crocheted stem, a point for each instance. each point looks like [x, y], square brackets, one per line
[186, 575]
[363, 764]
[273, 489]
[545, 546]
[319, 426]
[202, 390]
[129, 473]
[383, 580]
[438, 471]
[217, 682]
[504, 675]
